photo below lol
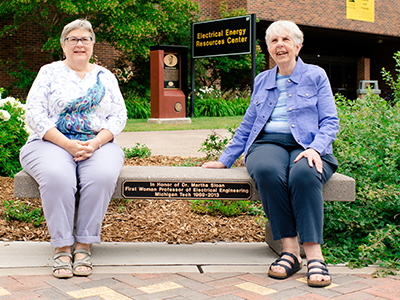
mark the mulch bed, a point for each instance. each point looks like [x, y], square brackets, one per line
[144, 220]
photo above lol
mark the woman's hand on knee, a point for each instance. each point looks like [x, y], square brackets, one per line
[213, 165]
[313, 158]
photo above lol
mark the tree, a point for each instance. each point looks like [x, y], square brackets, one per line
[131, 26]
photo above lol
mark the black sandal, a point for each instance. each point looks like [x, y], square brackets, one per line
[294, 267]
[323, 270]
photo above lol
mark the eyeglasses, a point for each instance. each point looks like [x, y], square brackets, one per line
[86, 40]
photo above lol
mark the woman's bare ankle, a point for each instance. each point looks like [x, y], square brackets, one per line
[63, 249]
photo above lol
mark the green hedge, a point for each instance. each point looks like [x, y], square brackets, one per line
[367, 147]
[209, 102]
[13, 134]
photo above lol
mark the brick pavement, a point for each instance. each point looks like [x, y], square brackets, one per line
[193, 286]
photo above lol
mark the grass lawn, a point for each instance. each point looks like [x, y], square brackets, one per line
[197, 123]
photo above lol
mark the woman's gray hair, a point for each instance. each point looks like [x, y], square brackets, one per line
[77, 24]
[294, 31]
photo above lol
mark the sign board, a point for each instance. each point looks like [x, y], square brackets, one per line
[232, 36]
[186, 190]
[223, 37]
[361, 10]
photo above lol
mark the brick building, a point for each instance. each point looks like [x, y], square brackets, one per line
[349, 50]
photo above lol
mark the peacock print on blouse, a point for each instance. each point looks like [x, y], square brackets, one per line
[75, 119]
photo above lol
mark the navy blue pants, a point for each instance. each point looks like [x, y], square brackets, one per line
[291, 193]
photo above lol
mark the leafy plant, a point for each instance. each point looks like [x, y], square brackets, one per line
[367, 147]
[228, 208]
[211, 102]
[140, 151]
[392, 82]
[240, 100]
[15, 210]
[212, 107]
[137, 107]
[215, 144]
[13, 134]
[22, 77]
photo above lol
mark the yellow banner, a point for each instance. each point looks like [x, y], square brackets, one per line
[361, 10]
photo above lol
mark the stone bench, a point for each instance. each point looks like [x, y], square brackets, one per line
[158, 182]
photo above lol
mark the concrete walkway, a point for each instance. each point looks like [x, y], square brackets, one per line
[163, 271]
[170, 143]
[36, 257]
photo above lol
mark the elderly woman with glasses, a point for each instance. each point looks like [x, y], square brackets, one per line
[75, 110]
[287, 135]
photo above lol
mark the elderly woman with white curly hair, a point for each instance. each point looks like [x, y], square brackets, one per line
[75, 110]
[287, 135]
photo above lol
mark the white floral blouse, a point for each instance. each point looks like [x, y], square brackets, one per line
[79, 108]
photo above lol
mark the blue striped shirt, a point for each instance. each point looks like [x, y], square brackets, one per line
[278, 122]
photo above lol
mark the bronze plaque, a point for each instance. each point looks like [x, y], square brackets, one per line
[178, 106]
[171, 71]
[186, 190]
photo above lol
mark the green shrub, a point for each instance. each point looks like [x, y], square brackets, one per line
[13, 134]
[140, 151]
[394, 83]
[210, 102]
[241, 102]
[137, 107]
[15, 210]
[227, 208]
[215, 144]
[367, 147]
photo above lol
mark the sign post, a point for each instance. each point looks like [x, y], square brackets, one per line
[223, 37]
[168, 84]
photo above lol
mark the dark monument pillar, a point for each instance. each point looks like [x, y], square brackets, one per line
[168, 84]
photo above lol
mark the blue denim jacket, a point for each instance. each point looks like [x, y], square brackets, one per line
[311, 111]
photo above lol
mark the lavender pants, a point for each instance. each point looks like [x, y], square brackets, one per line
[57, 174]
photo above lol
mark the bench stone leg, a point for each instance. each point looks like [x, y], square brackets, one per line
[276, 246]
